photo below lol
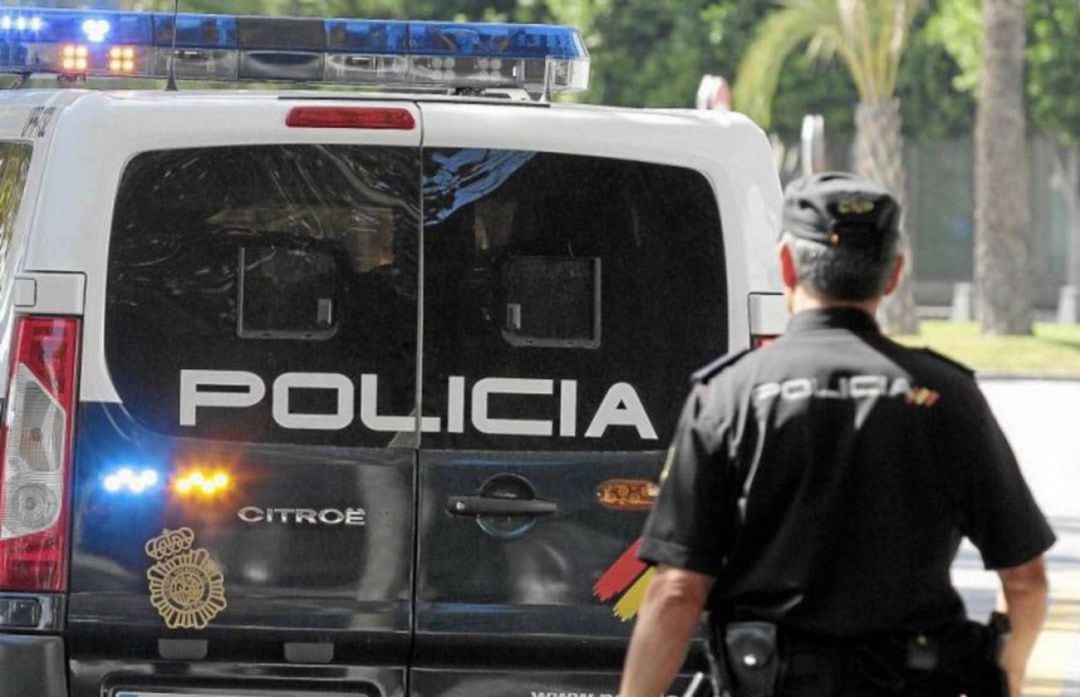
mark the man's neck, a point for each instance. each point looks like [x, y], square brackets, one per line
[801, 299]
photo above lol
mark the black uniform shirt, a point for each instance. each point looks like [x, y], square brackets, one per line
[826, 481]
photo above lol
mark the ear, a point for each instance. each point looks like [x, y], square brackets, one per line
[788, 274]
[896, 275]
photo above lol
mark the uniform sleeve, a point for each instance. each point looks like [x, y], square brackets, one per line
[688, 521]
[998, 514]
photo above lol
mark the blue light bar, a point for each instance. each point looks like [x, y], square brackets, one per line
[367, 37]
[60, 26]
[433, 55]
[196, 31]
[495, 40]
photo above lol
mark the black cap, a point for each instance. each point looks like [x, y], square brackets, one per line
[837, 208]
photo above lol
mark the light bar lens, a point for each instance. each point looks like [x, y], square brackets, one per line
[495, 40]
[366, 36]
[196, 31]
[342, 51]
[96, 29]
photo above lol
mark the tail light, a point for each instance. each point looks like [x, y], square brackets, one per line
[35, 454]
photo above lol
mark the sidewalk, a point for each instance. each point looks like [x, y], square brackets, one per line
[1040, 418]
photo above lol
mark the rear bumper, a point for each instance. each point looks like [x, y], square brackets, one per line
[32, 666]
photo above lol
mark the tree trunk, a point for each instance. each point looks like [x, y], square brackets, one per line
[879, 156]
[1002, 177]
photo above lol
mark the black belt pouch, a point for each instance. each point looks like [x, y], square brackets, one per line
[752, 658]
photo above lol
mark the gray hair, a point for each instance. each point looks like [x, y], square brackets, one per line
[843, 273]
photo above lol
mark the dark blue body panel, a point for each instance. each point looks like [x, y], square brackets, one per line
[349, 586]
[513, 595]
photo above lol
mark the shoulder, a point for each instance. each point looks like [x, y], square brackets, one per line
[944, 362]
[710, 371]
[961, 395]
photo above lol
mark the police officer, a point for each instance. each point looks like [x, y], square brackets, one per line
[817, 490]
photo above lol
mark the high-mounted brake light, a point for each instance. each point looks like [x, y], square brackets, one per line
[378, 118]
[434, 55]
[35, 454]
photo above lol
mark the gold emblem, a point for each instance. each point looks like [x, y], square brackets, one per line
[187, 587]
[855, 205]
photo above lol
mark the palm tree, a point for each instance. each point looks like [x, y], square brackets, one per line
[870, 37]
[1002, 213]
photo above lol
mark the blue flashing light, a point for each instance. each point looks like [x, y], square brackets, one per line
[196, 31]
[96, 29]
[21, 23]
[126, 479]
[342, 35]
[74, 26]
[495, 40]
[341, 51]
[367, 37]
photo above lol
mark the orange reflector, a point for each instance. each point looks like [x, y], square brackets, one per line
[378, 118]
[627, 494]
[201, 483]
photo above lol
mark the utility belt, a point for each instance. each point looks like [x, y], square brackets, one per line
[751, 659]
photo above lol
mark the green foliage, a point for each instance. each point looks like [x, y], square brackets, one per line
[956, 26]
[648, 52]
[1053, 58]
[930, 104]
[869, 37]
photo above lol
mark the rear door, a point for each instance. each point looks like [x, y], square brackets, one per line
[248, 503]
[568, 296]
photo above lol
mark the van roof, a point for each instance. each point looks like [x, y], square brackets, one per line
[66, 96]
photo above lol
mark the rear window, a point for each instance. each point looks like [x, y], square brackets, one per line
[252, 289]
[273, 294]
[567, 298]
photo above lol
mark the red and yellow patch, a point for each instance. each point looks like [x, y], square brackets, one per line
[923, 397]
[627, 578]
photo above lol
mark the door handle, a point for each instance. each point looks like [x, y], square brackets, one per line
[496, 506]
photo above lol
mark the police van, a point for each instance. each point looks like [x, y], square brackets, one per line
[361, 389]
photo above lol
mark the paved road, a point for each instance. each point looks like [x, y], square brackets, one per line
[1042, 421]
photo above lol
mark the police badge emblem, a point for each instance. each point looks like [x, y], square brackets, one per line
[187, 587]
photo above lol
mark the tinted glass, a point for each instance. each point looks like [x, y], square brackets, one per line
[232, 267]
[567, 299]
[14, 166]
